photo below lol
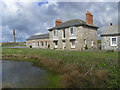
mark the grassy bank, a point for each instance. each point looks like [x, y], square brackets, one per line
[75, 68]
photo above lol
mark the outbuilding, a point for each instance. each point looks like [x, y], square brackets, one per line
[38, 41]
[110, 38]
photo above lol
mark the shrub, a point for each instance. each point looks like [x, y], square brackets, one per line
[48, 45]
[86, 47]
[110, 51]
[73, 80]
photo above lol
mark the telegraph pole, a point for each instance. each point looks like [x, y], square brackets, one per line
[14, 36]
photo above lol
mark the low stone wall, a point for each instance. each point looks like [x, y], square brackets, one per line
[11, 43]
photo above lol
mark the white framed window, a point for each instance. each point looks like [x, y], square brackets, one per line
[34, 44]
[72, 43]
[85, 42]
[63, 33]
[46, 43]
[38, 44]
[72, 31]
[55, 44]
[42, 43]
[92, 43]
[55, 33]
[113, 41]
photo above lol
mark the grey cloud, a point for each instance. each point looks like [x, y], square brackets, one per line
[29, 19]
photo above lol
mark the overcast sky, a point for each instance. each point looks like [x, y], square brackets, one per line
[32, 18]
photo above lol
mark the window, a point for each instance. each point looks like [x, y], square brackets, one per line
[42, 43]
[72, 43]
[46, 43]
[72, 31]
[33, 42]
[38, 43]
[113, 41]
[56, 44]
[84, 42]
[92, 43]
[63, 33]
[55, 33]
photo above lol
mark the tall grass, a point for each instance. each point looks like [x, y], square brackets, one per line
[78, 69]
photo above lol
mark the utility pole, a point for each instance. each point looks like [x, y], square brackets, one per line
[14, 37]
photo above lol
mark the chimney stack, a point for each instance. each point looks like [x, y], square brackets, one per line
[14, 37]
[89, 18]
[58, 22]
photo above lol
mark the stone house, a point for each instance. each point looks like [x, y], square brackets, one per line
[74, 34]
[38, 41]
[110, 38]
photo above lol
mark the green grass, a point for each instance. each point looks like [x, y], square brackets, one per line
[85, 62]
[54, 80]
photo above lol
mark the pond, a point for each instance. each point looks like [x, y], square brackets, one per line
[22, 75]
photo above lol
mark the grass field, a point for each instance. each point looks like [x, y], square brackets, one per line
[82, 69]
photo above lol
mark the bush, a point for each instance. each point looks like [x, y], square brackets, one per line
[48, 45]
[110, 51]
[75, 79]
[86, 47]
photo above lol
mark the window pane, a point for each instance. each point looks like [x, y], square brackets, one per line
[84, 42]
[92, 43]
[46, 43]
[63, 33]
[73, 43]
[56, 33]
[71, 30]
[56, 43]
[113, 40]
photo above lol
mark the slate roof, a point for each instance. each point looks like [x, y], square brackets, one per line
[41, 36]
[74, 22]
[111, 30]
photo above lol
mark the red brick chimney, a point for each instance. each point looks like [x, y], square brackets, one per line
[58, 22]
[89, 18]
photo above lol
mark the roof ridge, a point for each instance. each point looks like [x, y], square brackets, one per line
[41, 34]
[38, 36]
[73, 20]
